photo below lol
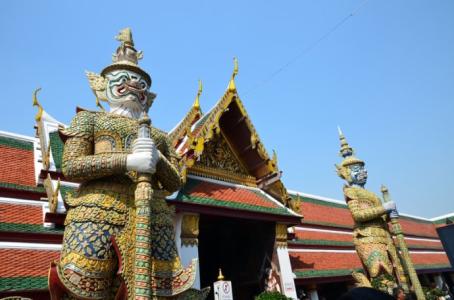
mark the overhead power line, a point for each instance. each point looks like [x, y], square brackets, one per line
[309, 47]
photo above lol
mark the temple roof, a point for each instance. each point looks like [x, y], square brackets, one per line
[229, 119]
[24, 269]
[322, 245]
[183, 128]
[17, 159]
[322, 242]
[211, 192]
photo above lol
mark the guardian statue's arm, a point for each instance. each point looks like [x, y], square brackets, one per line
[362, 212]
[167, 168]
[79, 161]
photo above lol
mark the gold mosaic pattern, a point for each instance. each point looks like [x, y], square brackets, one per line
[95, 154]
[370, 235]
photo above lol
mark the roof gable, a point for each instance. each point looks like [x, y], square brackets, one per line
[229, 125]
[183, 128]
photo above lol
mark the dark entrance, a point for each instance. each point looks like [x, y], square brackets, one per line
[241, 248]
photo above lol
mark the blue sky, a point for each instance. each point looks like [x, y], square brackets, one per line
[386, 76]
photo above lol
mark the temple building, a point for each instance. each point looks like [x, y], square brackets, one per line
[233, 213]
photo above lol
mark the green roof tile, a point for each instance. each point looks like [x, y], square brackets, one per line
[326, 224]
[447, 220]
[201, 121]
[318, 201]
[415, 219]
[16, 143]
[325, 273]
[323, 242]
[56, 144]
[185, 196]
[38, 189]
[33, 228]
[23, 283]
[65, 190]
[235, 205]
[433, 266]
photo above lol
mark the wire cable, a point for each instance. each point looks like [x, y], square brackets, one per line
[308, 48]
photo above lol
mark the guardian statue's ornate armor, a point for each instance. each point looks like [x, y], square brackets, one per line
[108, 253]
[371, 235]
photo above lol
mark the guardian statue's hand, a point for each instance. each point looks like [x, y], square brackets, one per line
[144, 156]
[394, 214]
[391, 209]
[389, 206]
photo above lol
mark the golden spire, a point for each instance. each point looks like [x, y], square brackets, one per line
[220, 276]
[125, 36]
[232, 86]
[347, 153]
[39, 114]
[345, 150]
[199, 92]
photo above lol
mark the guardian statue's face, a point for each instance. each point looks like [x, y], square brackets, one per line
[358, 174]
[127, 93]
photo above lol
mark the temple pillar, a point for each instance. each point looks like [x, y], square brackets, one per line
[286, 274]
[438, 280]
[186, 238]
[312, 292]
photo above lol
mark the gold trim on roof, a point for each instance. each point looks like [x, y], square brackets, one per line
[232, 86]
[199, 92]
[223, 175]
[39, 114]
[184, 127]
[205, 132]
[52, 195]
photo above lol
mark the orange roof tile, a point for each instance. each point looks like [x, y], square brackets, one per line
[17, 166]
[418, 228]
[21, 214]
[324, 260]
[226, 195]
[21, 262]
[421, 258]
[326, 214]
[319, 235]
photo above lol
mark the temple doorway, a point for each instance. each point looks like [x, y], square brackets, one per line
[242, 248]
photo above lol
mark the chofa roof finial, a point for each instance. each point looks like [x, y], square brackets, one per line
[232, 86]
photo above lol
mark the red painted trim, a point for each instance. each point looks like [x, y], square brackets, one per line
[32, 294]
[319, 280]
[56, 218]
[26, 195]
[233, 213]
[118, 252]
[329, 227]
[331, 247]
[31, 237]
[425, 271]
[56, 288]
[53, 174]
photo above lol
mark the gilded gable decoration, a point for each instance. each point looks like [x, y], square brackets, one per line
[189, 230]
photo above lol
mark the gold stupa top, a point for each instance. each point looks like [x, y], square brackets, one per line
[220, 276]
[347, 152]
[126, 57]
